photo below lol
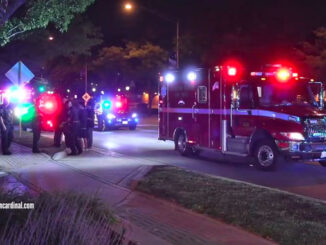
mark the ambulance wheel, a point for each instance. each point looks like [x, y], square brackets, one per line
[182, 146]
[322, 163]
[266, 155]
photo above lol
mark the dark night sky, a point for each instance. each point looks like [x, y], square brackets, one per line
[275, 25]
[291, 19]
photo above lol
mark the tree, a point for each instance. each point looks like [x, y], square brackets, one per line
[59, 60]
[135, 62]
[37, 14]
[313, 54]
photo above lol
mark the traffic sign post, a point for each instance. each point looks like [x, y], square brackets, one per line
[19, 75]
[86, 97]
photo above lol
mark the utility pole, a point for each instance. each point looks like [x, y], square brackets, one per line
[86, 77]
[178, 44]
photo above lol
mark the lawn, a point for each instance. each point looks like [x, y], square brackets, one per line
[63, 218]
[280, 216]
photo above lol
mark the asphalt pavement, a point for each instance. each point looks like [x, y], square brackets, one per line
[307, 179]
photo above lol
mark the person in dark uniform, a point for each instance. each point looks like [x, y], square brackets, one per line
[71, 128]
[36, 128]
[6, 126]
[59, 126]
[90, 123]
[82, 125]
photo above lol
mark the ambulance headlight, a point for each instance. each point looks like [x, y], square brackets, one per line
[134, 115]
[110, 116]
[296, 136]
[192, 76]
[169, 78]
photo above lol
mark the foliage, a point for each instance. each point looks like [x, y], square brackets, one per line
[54, 60]
[284, 217]
[137, 62]
[313, 53]
[62, 218]
[39, 14]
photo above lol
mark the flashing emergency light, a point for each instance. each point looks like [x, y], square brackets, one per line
[134, 115]
[18, 94]
[25, 112]
[111, 116]
[47, 125]
[106, 104]
[41, 89]
[232, 71]
[192, 76]
[283, 74]
[169, 78]
[118, 104]
[49, 104]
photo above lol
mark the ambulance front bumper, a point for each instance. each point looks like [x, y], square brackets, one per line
[305, 150]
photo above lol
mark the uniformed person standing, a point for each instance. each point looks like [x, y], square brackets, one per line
[6, 126]
[36, 127]
[71, 128]
[90, 123]
[58, 131]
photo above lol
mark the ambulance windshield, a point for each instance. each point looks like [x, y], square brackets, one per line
[270, 94]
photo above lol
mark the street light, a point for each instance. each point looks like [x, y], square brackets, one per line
[51, 38]
[129, 7]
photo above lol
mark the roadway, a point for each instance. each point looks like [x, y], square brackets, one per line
[300, 178]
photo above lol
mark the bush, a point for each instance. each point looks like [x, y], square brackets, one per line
[65, 218]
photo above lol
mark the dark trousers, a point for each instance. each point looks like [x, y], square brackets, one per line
[57, 136]
[89, 137]
[72, 140]
[6, 138]
[36, 137]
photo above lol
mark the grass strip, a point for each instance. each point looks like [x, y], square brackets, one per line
[60, 218]
[280, 216]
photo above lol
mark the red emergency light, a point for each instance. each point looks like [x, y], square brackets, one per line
[48, 124]
[232, 71]
[283, 75]
[48, 104]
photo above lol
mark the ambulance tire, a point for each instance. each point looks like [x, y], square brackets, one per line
[266, 155]
[182, 146]
[322, 163]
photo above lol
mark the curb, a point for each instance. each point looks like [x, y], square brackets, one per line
[59, 155]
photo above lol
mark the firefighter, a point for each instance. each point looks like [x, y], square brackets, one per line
[6, 126]
[90, 123]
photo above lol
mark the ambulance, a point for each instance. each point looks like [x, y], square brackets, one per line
[263, 114]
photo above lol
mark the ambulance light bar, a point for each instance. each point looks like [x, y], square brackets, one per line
[192, 76]
[169, 78]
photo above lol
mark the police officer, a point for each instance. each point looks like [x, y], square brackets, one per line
[82, 125]
[59, 126]
[90, 123]
[6, 126]
[36, 127]
[71, 128]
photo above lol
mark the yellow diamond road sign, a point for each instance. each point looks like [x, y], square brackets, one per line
[86, 97]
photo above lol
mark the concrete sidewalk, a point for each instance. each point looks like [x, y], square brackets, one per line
[110, 176]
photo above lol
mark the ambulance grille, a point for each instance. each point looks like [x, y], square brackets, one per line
[315, 129]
